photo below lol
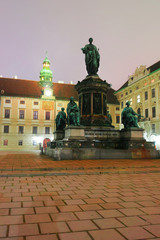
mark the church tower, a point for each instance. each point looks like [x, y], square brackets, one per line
[46, 77]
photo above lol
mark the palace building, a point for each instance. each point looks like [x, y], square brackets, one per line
[28, 109]
[142, 89]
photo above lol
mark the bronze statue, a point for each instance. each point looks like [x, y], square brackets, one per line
[129, 118]
[61, 120]
[73, 114]
[92, 58]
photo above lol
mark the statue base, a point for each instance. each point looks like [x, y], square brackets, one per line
[58, 134]
[84, 143]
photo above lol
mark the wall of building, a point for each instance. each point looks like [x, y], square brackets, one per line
[136, 93]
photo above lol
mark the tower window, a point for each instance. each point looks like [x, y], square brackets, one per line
[35, 114]
[47, 115]
[6, 129]
[7, 113]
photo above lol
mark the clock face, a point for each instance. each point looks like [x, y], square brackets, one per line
[48, 93]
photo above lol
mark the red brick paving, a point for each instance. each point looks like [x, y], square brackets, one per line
[97, 200]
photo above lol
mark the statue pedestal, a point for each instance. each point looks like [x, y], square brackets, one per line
[58, 135]
[74, 133]
[132, 134]
[132, 138]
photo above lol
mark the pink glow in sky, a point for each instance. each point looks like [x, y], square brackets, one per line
[126, 32]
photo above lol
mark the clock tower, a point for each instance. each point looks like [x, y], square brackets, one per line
[45, 82]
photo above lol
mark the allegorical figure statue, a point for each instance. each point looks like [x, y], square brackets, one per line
[92, 58]
[73, 113]
[129, 118]
[61, 120]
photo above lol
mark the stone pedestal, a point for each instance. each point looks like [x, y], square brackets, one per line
[58, 134]
[92, 92]
[132, 138]
[132, 134]
[74, 133]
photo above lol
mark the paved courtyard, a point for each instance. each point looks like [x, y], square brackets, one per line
[41, 199]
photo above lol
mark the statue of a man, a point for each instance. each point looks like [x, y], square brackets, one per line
[129, 118]
[73, 114]
[92, 58]
[61, 120]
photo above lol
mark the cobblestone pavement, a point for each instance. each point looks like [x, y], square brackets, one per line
[98, 200]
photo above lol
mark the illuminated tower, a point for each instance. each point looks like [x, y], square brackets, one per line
[46, 77]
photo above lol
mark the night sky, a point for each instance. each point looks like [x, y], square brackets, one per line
[126, 32]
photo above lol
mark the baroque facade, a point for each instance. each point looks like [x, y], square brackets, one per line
[142, 89]
[28, 109]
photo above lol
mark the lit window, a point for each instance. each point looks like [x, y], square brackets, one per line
[47, 115]
[7, 113]
[146, 113]
[152, 81]
[6, 129]
[21, 129]
[34, 130]
[60, 104]
[145, 84]
[22, 102]
[153, 112]
[20, 142]
[47, 130]
[35, 114]
[130, 101]
[8, 101]
[5, 142]
[138, 99]
[117, 119]
[153, 128]
[146, 95]
[34, 143]
[21, 114]
[153, 92]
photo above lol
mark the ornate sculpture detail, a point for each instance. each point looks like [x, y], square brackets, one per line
[92, 58]
[61, 120]
[139, 73]
[73, 114]
[129, 118]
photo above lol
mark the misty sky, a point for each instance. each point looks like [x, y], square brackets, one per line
[126, 32]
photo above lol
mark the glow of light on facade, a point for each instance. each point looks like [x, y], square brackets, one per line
[38, 139]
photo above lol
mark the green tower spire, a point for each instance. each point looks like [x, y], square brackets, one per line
[46, 74]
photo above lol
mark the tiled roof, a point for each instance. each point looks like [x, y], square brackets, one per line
[19, 87]
[64, 91]
[152, 68]
[29, 88]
